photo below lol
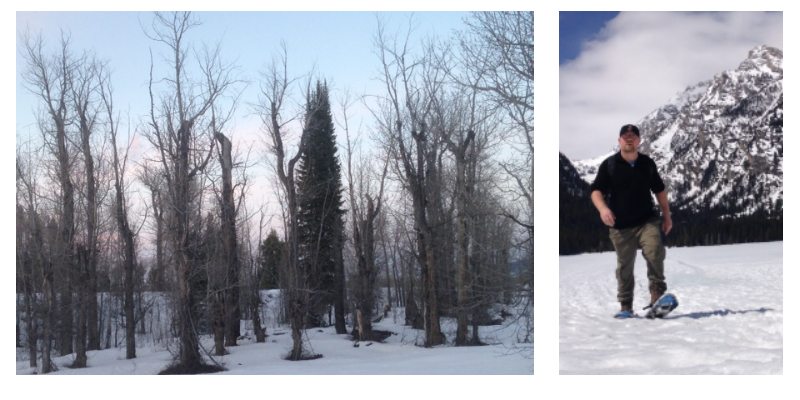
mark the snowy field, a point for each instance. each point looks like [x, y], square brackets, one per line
[729, 321]
[400, 354]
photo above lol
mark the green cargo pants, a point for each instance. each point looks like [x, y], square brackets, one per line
[626, 242]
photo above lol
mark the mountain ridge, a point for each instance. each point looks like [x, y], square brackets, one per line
[719, 143]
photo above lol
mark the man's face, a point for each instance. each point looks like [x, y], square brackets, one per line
[629, 142]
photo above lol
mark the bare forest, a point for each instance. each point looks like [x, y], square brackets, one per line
[421, 212]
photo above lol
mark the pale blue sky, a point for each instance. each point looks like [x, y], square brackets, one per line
[338, 42]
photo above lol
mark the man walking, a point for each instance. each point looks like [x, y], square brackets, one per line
[629, 177]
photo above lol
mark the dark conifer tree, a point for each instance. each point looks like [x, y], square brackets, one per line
[320, 224]
[271, 257]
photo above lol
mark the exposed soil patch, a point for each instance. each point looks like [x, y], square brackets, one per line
[178, 369]
[378, 335]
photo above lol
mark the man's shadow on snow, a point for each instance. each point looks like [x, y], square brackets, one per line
[721, 313]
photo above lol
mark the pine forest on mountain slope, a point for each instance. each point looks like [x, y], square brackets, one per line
[719, 148]
[422, 220]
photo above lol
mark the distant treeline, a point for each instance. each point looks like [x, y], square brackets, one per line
[716, 226]
[581, 231]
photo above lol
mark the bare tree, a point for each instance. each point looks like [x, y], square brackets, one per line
[83, 90]
[388, 237]
[255, 282]
[32, 257]
[275, 87]
[180, 131]
[230, 257]
[460, 152]
[153, 179]
[453, 117]
[497, 54]
[126, 234]
[365, 206]
[497, 58]
[407, 102]
[49, 78]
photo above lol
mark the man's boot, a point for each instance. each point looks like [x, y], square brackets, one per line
[656, 292]
[626, 310]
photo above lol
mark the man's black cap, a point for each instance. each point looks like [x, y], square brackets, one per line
[629, 128]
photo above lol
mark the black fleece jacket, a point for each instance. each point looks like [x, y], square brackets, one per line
[630, 189]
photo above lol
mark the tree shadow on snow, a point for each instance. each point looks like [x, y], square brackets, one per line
[721, 313]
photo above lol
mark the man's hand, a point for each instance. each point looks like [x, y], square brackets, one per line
[607, 216]
[605, 213]
[666, 224]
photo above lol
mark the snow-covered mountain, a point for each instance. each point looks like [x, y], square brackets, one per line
[720, 142]
[587, 168]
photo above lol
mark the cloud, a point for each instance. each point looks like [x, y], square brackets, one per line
[640, 60]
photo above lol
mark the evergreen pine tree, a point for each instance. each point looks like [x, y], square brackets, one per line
[320, 224]
[271, 256]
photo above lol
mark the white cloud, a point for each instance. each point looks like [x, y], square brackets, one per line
[641, 59]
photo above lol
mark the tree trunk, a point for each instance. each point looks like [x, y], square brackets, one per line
[87, 303]
[461, 277]
[47, 328]
[298, 296]
[126, 236]
[388, 286]
[142, 312]
[80, 341]
[363, 241]
[110, 300]
[130, 316]
[92, 320]
[339, 284]
[66, 310]
[382, 231]
[261, 335]
[189, 354]
[419, 189]
[37, 261]
[433, 333]
[460, 151]
[158, 211]
[413, 316]
[50, 80]
[30, 327]
[189, 357]
[230, 257]
[400, 286]
[218, 309]
[360, 324]
[67, 240]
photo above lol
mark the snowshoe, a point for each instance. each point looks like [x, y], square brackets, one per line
[663, 306]
[623, 314]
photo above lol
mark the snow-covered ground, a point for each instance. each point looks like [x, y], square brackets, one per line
[729, 321]
[400, 354]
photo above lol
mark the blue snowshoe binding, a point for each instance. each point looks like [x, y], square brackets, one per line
[663, 306]
[624, 314]
[627, 310]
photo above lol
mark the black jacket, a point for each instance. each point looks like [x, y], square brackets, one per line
[629, 188]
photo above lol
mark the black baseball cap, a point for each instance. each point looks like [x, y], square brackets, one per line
[629, 128]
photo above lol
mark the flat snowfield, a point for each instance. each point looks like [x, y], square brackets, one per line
[729, 319]
[399, 355]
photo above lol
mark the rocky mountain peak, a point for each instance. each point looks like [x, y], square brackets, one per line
[763, 59]
[719, 143]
